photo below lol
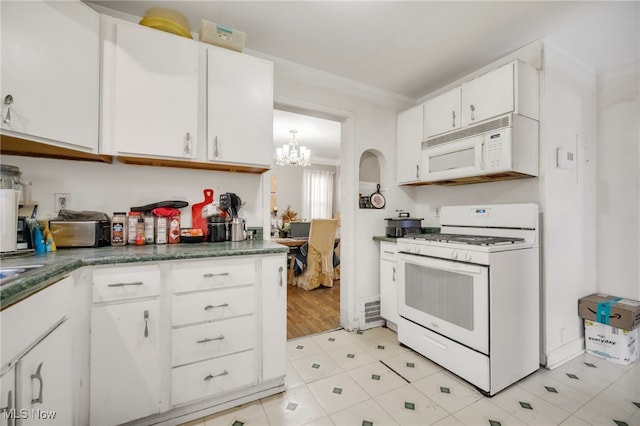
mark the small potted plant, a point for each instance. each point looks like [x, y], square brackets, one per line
[286, 217]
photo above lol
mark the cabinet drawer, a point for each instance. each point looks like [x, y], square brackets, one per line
[214, 339]
[126, 283]
[202, 275]
[213, 305]
[207, 378]
[388, 251]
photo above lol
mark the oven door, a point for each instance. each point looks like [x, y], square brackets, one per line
[449, 298]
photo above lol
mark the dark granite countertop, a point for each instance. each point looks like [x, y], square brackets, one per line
[56, 264]
[427, 230]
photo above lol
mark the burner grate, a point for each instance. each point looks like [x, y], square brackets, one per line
[476, 240]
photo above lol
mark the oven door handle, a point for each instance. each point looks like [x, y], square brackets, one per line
[440, 264]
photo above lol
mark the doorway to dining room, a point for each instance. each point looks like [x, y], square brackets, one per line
[317, 310]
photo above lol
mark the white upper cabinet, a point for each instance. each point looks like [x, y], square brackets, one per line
[150, 92]
[50, 73]
[442, 113]
[239, 108]
[510, 88]
[409, 139]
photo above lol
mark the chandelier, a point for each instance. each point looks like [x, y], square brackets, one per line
[292, 154]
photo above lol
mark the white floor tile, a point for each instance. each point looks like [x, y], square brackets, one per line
[315, 366]
[365, 413]
[325, 421]
[614, 403]
[411, 365]
[248, 414]
[294, 407]
[350, 356]
[410, 407]
[484, 412]
[337, 392]
[300, 348]
[448, 421]
[555, 392]
[529, 408]
[292, 379]
[631, 380]
[333, 339]
[447, 391]
[575, 421]
[375, 378]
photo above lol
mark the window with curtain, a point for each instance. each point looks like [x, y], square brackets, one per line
[317, 194]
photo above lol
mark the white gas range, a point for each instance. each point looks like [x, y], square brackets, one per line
[468, 298]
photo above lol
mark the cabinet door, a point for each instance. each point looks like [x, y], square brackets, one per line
[44, 380]
[442, 113]
[7, 398]
[409, 139]
[50, 67]
[150, 92]
[488, 95]
[125, 361]
[239, 108]
[388, 283]
[274, 316]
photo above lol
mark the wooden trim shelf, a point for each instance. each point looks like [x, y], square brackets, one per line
[220, 167]
[10, 145]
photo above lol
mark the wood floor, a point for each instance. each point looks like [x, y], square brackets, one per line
[312, 311]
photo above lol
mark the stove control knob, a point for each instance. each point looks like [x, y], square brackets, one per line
[417, 250]
[408, 248]
[467, 256]
[454, 254]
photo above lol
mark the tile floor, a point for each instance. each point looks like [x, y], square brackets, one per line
[367, 378]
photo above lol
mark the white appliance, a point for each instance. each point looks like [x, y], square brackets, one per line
[468, 298]
[502, 148]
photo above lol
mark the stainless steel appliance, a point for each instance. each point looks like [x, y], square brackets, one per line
[81, 233]
[468, 298]
[505, 147]
[402, 225]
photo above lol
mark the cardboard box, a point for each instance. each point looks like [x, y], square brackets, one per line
[614, 344]
[610, 310]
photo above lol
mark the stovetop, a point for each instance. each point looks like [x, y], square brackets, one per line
[476, 240]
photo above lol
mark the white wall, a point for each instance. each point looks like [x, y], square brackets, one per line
[567, 200]
[117, 187]
[618, 183]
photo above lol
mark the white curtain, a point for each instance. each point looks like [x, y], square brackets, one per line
[317, 194]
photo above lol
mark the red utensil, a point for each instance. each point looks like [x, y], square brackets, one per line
[197, 221]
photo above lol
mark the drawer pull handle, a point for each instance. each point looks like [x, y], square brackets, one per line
[210, 275]
[125, 284]
[208, 339]
[281, 270]
[209, 377]
[389, 252]
[394, 274]
[146, 324]
[209, 307]
[433, 342]
[38, 376]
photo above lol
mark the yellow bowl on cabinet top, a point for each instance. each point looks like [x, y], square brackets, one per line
[167, 20]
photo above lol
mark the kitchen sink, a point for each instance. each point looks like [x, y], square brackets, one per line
[11, 273]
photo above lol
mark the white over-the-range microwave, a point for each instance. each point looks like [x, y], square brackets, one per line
[502, 148]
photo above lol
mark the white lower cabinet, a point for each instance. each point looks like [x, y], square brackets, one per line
[175, 337]
[43, 381]
[36, 371]
[388, 282]
[125, 344]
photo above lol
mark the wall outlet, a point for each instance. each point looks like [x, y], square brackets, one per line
[62, 201]
[437, 211]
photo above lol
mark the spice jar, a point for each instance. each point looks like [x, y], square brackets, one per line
[174, 229]
[161, 229]
[119, 229]
[149, 228]
[140, 232]
[132, 226]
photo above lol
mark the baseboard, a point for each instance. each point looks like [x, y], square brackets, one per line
[565, 353]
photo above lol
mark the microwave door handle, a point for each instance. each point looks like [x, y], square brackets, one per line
[481, 156]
